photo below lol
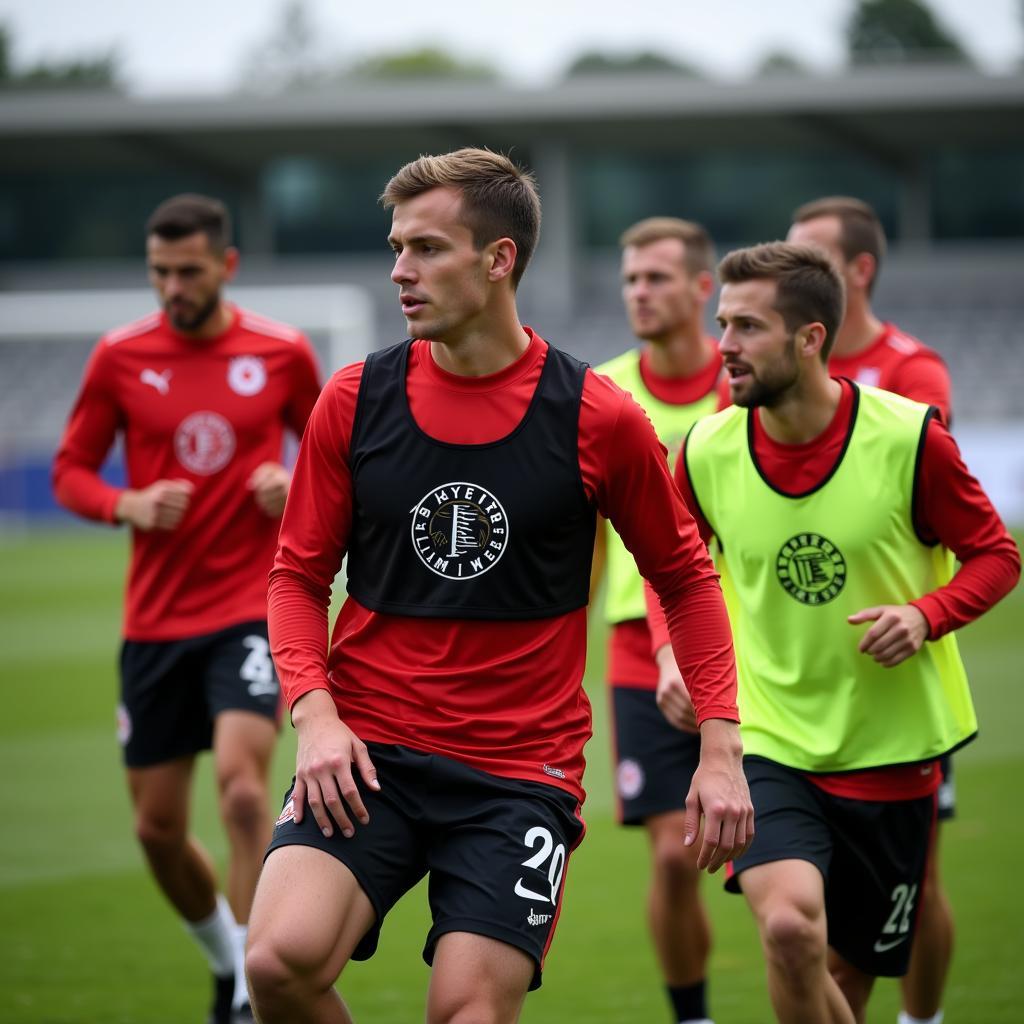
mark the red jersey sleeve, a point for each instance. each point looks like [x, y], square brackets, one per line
[313, 539]
[952, 509]
[655, 615]
[628, 469]
[924, 377]
[305, 387]
[91, 428]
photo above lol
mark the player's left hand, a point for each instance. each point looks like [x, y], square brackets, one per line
[269, 486]
[899, 631]
[719, 792]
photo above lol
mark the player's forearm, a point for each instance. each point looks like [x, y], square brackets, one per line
[979, 584]
[81, 490]
[701, 638]
[297, 621]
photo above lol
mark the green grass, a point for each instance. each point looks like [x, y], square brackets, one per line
[85, 937]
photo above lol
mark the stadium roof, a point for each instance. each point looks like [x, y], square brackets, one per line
[889, 112]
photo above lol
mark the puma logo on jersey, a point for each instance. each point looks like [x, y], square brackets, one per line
[161, 381]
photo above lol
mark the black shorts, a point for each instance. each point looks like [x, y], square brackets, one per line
[947, 789]
[654, 761]
[172, 691]
[495, 848]
[871, 854]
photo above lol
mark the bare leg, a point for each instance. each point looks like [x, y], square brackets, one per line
[855, 985]
[477, 980]
[925, 981]
[678, 920]
[788, 901]
[307, 918]
[180, 865]
[243, 744]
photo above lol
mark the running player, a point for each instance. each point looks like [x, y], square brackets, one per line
[441, 731]
[837, 509]
[676, 377]
[873, 352]
[202, 393]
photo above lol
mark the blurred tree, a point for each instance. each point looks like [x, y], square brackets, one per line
[888, 31]
[99, 72]
[291, 56]
[779, 62]
[427, 62]
[597, 62]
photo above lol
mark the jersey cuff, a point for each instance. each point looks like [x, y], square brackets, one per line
[931, 609]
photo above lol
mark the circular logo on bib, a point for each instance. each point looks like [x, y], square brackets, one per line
[629, 777]
[247, 375]
[459, 530]
[811, 568]
[204, 442]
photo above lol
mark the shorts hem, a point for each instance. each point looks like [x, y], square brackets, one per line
[302, 839]
[490, 930]
[732, 881]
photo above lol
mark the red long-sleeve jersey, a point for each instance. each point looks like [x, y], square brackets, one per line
[950, 508]
[503, 696]
[897, 362]
[207, 411]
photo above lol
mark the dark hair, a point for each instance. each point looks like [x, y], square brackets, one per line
[860, 230]
[499, 199]
[808, 286]
[698, 249]
[184, 215]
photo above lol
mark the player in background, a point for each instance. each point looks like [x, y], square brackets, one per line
[441, 731]
[838, 510]
[202, 393]
[676, 377]
[878, 353]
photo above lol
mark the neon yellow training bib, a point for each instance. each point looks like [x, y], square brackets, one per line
[794, 568]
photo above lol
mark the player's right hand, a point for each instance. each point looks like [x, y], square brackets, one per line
[672, 696]
[327, 751]
[160, 506]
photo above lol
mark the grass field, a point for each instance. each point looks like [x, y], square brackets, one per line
[85, 937]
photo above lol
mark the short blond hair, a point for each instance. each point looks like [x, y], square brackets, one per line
[698, 249]
[499, 198]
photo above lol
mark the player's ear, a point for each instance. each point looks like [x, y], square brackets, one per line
[863, 268]
[502, 254]
[705, 285]
[809, 340]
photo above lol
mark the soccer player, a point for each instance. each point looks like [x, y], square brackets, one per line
[837, 510]
[202, 393]
[868, 350]
[677, 377]
[441, 731]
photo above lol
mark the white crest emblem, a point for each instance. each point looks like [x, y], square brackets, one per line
[630, 779]
[204, 443]
[247, 375]
[459, 530]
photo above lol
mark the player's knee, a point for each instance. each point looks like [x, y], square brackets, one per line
[158, 835]
[793, 940]
[470, 1008]
[674, 863]
[243, 801]
[276, 980]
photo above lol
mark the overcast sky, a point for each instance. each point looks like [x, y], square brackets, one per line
[201, 45]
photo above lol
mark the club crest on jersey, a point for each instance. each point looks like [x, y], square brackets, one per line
[247, 375]
[204, 443]
[459, 530]
[811, 568]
